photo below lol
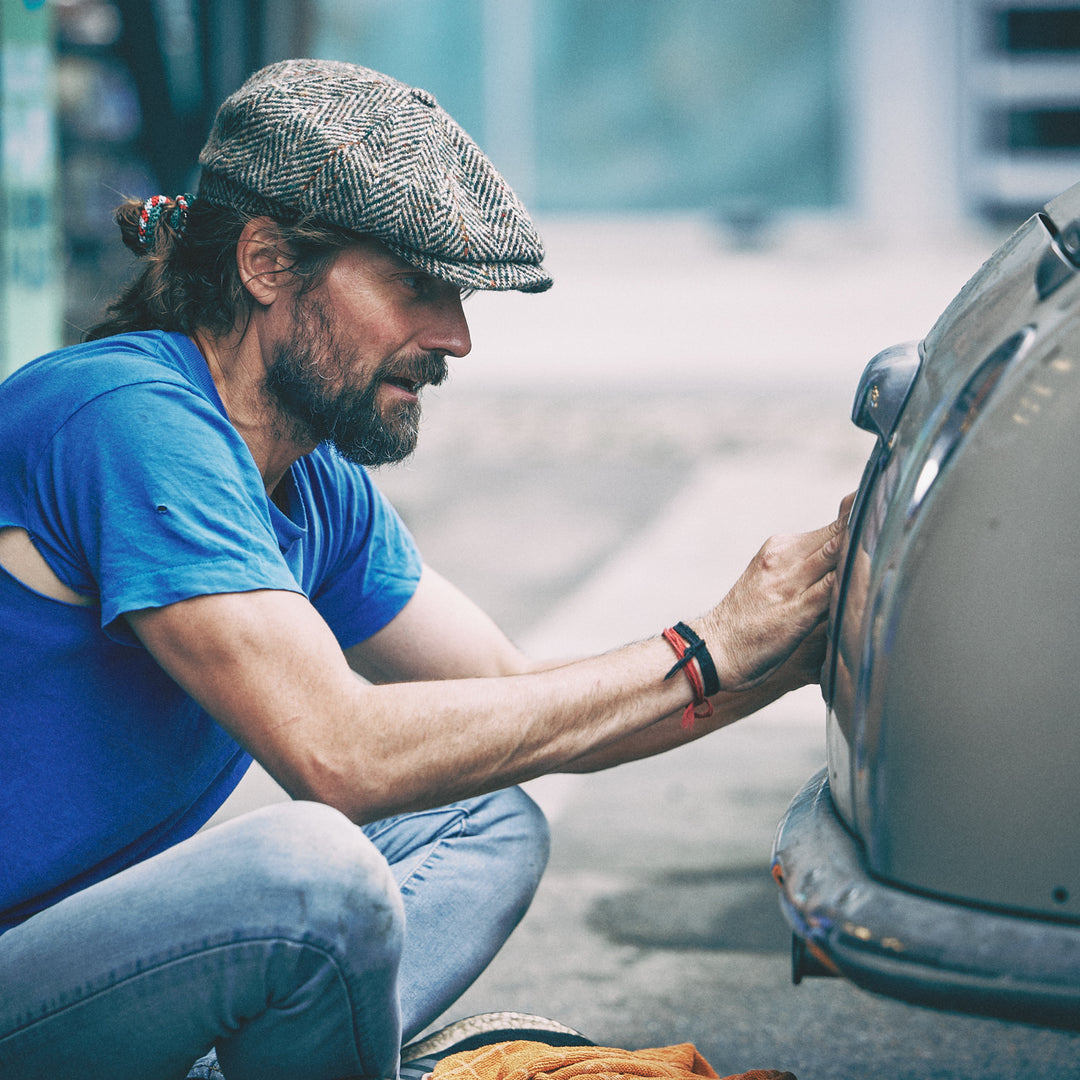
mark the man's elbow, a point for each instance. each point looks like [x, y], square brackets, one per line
[362, 795]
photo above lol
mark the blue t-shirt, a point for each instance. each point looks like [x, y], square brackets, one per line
[118, 458]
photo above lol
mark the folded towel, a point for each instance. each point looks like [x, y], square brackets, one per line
[523, 1060]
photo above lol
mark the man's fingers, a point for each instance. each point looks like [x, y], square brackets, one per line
[817, 551]
[820, 593]
[831, 536]
[781, 600]
[828, 537]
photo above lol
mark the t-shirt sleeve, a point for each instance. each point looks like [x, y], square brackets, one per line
[147, 495]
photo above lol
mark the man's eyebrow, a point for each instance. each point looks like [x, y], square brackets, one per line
[400, 264]
[397, 264]
[408, 267]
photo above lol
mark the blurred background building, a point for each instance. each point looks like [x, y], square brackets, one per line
[901, 116]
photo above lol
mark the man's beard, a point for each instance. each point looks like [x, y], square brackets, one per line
[315, 384]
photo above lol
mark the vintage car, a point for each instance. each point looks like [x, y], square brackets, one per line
[936, 858]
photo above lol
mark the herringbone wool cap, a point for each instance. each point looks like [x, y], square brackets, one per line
[354, 148]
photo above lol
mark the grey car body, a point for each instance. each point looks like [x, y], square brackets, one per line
[937, 857]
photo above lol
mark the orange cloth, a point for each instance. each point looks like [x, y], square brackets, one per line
[521, 1060]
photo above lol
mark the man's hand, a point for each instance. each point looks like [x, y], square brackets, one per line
[780, 599]
[803, 666]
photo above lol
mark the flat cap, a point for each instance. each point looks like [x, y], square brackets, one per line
[354, 148]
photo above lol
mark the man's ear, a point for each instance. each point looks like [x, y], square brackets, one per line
[263, 260]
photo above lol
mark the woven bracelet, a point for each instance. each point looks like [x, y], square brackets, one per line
[699, 651]
[700, 707]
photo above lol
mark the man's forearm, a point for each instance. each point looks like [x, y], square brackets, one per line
[416, 745]
[266, 666]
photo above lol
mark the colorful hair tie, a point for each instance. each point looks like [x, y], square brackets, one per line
[151, 214]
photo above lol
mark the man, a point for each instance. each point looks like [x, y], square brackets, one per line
[195, 566]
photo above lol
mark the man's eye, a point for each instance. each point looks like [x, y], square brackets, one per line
[427, 288]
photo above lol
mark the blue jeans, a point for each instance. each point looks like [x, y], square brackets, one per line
[290, 940]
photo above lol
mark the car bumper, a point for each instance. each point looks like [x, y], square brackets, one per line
[910, 946]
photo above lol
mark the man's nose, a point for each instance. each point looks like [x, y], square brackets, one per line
[448, 331]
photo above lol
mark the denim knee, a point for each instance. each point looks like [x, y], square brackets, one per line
[310, 872]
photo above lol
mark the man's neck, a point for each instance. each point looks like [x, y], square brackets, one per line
[237, 367]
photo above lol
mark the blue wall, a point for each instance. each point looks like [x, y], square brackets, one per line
[614, 105]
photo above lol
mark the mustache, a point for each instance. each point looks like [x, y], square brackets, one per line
[425, 369]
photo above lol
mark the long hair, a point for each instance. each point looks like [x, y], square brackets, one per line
[191, 281]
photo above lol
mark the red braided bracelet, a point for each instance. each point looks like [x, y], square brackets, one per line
[693, 673]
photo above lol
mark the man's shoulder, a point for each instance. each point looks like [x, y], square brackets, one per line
[145, 356]
[61, 383]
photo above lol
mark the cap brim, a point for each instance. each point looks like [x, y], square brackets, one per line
[500, 276]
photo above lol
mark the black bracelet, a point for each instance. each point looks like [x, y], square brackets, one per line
[699, 651]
